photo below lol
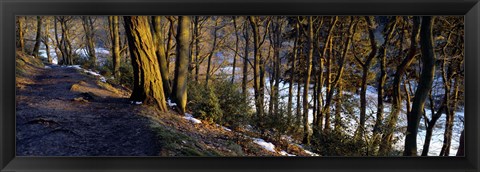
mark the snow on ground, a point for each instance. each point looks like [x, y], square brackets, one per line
[191, 118]
[170, 103]
[91, 72]
[266, 145]
[307, 151]
[352, 119]
[286, 154]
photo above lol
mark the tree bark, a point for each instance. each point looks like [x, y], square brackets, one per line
[245, 62]
[306, 125]
[90, 39]
[182, 62]
[424, 86]
[114, 34]
[292, 75]
[160, 52]
[148, 87]
[365, 68]
[20, 32]
[38, 38]
[389, 128]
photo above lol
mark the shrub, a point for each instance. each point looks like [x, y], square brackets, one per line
[204, 103]
[221, 102]
[233, 103]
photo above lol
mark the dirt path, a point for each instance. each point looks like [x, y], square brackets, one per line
[49, 122]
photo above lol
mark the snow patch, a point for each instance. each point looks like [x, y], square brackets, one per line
[74, 66]
[48, 67]
[227, 129]
[192, 119]
[266, 145]
[286, 154]
[170, 103]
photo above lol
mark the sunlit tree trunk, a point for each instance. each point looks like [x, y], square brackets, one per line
[234, 65]
[160, 52]
[363, 88]
[182, 62]
[256, 69]
[306, 125]
[319, 119]
[333, 84]
[20, 32]
[148, 87]
[424, 86]
[114, 34]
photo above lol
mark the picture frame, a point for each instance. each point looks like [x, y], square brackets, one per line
[11, 8]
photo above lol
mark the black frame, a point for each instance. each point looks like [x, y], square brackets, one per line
[10, 8]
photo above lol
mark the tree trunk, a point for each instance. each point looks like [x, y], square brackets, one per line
[424, 86]
[148, 87]
[234, 65]
[292, 74]
[38, 38]
[160, 52]
[114, 33]
[256, 69]
[381, 83]
[245, 63]
[342, 61]
[212, 51]
[90, 39]
[461, 147]
[46, 40]
[365, 69]
[181, 64]
[389, 128]
[447, 139]
[20, 32]
[328, 41]
[306, 125]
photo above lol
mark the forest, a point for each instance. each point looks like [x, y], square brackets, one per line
[331, 85]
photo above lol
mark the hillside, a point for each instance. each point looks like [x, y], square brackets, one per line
[70, 111]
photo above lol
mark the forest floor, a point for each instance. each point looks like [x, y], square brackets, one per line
[67, 111]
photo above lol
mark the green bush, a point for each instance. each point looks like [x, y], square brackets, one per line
[233, 103]
[221, 102]
[204, 103]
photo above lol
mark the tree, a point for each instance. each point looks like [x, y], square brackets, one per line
[296, 30]
[161, 55]
[181, 64]
[258, 64]
[20, 39]
[306, 125]
[365, 68]
[46, 39]
[148, 86]
[391, 122]
[114, 35]
[423, 88]
[38, 38]
[245, 60]
[387, 35]
[88, 27]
